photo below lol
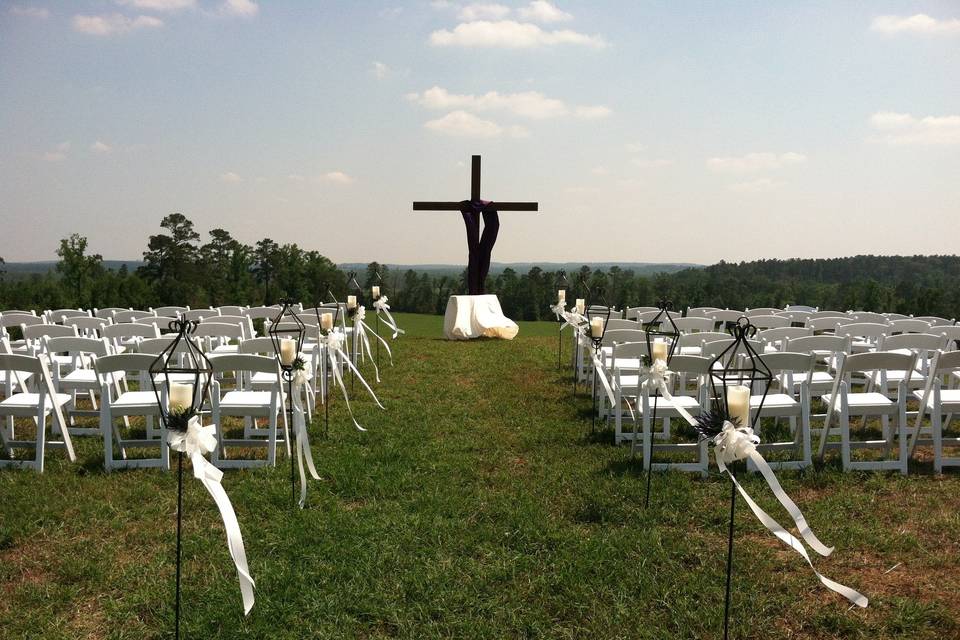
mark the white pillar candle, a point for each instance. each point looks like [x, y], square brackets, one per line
[581, 305]
[561, 295]
[738, 405]
[326, 321]
[659, 350]
[596, 327]
[180, 397]
[351, 302]
[375, 290]
[288, 351]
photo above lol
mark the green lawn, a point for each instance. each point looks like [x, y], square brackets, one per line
[479, 505]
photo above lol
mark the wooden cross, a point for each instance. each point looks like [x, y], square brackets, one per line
[480, 247]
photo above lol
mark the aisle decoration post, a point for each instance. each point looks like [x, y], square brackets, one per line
[662, 337]
[180, 378]
[286, 333]
[735, 374]
[354, 299]
[327, 321]
[597, 318]
[559, 309]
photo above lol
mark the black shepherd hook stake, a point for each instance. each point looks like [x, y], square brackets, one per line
[379, 281]
[562, 285]
[577, 354]
[671, 332]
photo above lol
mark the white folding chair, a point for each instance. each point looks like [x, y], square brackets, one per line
[864, 336]
[132, 315]
[693, 325]
[87, 327]
[80, 376]
[691, 344]
[173, 311]
[789, 397]
[909, 325]
[769, 322]
[774, 339]
[937, 402]
[846, 402]
[126, 337]
[630, 313]
[626, 363]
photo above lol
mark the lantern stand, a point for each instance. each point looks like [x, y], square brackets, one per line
[654, 329]
[600, 313]
[375, 292]
[576, 357]
[326, 381]
[741, 365]
[354, 286]
[279, 334]
[196, 369]
[562, 285]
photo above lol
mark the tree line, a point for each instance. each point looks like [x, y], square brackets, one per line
[180, 269]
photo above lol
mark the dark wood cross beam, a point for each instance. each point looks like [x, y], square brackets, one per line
[480, 247]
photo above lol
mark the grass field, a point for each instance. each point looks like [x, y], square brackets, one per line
[479, 505]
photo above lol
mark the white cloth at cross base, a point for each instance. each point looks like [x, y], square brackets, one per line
[477, 317]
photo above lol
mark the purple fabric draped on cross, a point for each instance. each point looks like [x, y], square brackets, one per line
[480, 247]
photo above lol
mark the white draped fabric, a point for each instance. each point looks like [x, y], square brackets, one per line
[470, 317]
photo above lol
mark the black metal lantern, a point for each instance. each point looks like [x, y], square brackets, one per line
[180, 363]
[354, 289]
[563, 286]
[739, 365]
[662, 326]
[334, 310]
[595, 311]
[287, 325]
[179, 366]
[377, 290]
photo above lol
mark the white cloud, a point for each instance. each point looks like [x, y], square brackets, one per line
[592, 113]
[634, 147]
[159, 5]
[753, 162]
[760, 185]
[441, 4]
[239, 8]
[379, 70]
[483, 11]
[466, 125]
[100, 147]
[338, 176]
[58, 154]
[296, 177]
[509, 34]
[599, 171]
[230, 177]
[113, 23]
[920, 23]
[906, 129]
[647, 163]
[543, 11]
[30, 12]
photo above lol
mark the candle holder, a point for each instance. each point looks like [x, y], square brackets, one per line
[562, 285]
[285, 326]
[181, 362]
[376, 292]
[576, 356]
[326, 383]
[738, 364]
[355, 290]
[594, 313]
[661, 327]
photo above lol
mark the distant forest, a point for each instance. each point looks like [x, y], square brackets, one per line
[178, 268]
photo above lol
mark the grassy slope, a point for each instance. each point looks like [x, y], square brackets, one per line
[478, 506]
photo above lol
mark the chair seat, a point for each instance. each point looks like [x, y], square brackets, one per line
[626, 364]
[31, 401]
[895, 377]
[245, 399]
[949, 399]
[864, 400]
[774, 401]
[225, 348]
[135, 399]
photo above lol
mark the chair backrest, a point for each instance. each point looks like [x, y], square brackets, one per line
[262, 313]
[826, 323]
[160, 322]
[795, 317]
[945, 362]
[714, 348]
[802, 308]
[912, 341]
[231, 310]
[727, 315]
[25, 312]
[38, 331]
[909, 325]
[895, 316]
[86, 325]
[219, 330]
[624, 335]
[779, 334]
[701, 312]
[17, 319]
[762, 311]
[58, 315]
[769, 322]
[696, 339]
[124, 362]
[869, 316]
[244, 362]
[241, 321]
[196, 314]
[172, 310]
[130, 330]
[108, 312]
[936, 320]
[689, 365]
[694, 325]
[258, 346]
[629, 350]
[789, 362]
[646, 316]
[131, 315]
[875, 361]
[825, 313]
[810, 344]
[863, 330]
[951, 331]
[20, 363]
[156, 345]
[70, 344]
[631, 312]
[613, 323]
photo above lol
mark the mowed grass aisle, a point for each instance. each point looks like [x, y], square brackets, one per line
[478, 505]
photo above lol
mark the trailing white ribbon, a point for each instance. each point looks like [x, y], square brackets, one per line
[362, 329]
[196, 442]
[303, 438]
[334, 347]
[738, 443]
[380, 304]
[658, 375]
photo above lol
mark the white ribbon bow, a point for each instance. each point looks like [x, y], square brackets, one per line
[195, 442]
[739, 443]
[303, 438]
[334, 348]
[362, 329]
[658, 377]
[380, 304]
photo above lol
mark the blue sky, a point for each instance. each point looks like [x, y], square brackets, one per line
[647, 130]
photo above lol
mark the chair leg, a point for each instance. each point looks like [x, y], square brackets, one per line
[902, 437]
[845, 438]
[937, 432]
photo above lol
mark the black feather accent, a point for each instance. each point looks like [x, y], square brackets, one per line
[299, 364]
[178, 421]
[710, 424]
